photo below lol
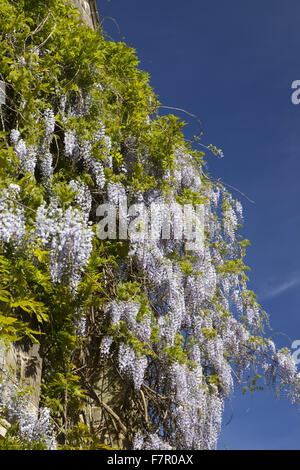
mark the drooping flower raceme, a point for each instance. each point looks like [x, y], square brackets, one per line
[68, 237]
[12, 217]
[32, 428]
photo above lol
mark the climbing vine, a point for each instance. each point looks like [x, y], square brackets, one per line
[153, 334]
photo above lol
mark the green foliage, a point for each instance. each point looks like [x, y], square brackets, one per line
[46, 54]
[20, 304]
[81, 438]
[11, 441]
[252, 387]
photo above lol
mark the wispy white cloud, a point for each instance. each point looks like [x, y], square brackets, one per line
[280, 288]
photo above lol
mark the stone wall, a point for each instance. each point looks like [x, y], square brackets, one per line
[21, 364]
[89, 11]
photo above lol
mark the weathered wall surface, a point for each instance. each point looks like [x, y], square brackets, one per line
[21, 364]
[25, 363]
[88, 9]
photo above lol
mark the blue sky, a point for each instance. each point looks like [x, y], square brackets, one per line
[232, 63]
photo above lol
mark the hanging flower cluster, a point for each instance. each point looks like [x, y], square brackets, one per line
[68, 237]
[31, 428]
[12, 218]
[202, 308]
[205, 319]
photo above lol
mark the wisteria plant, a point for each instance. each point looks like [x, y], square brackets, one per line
[153, 335]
